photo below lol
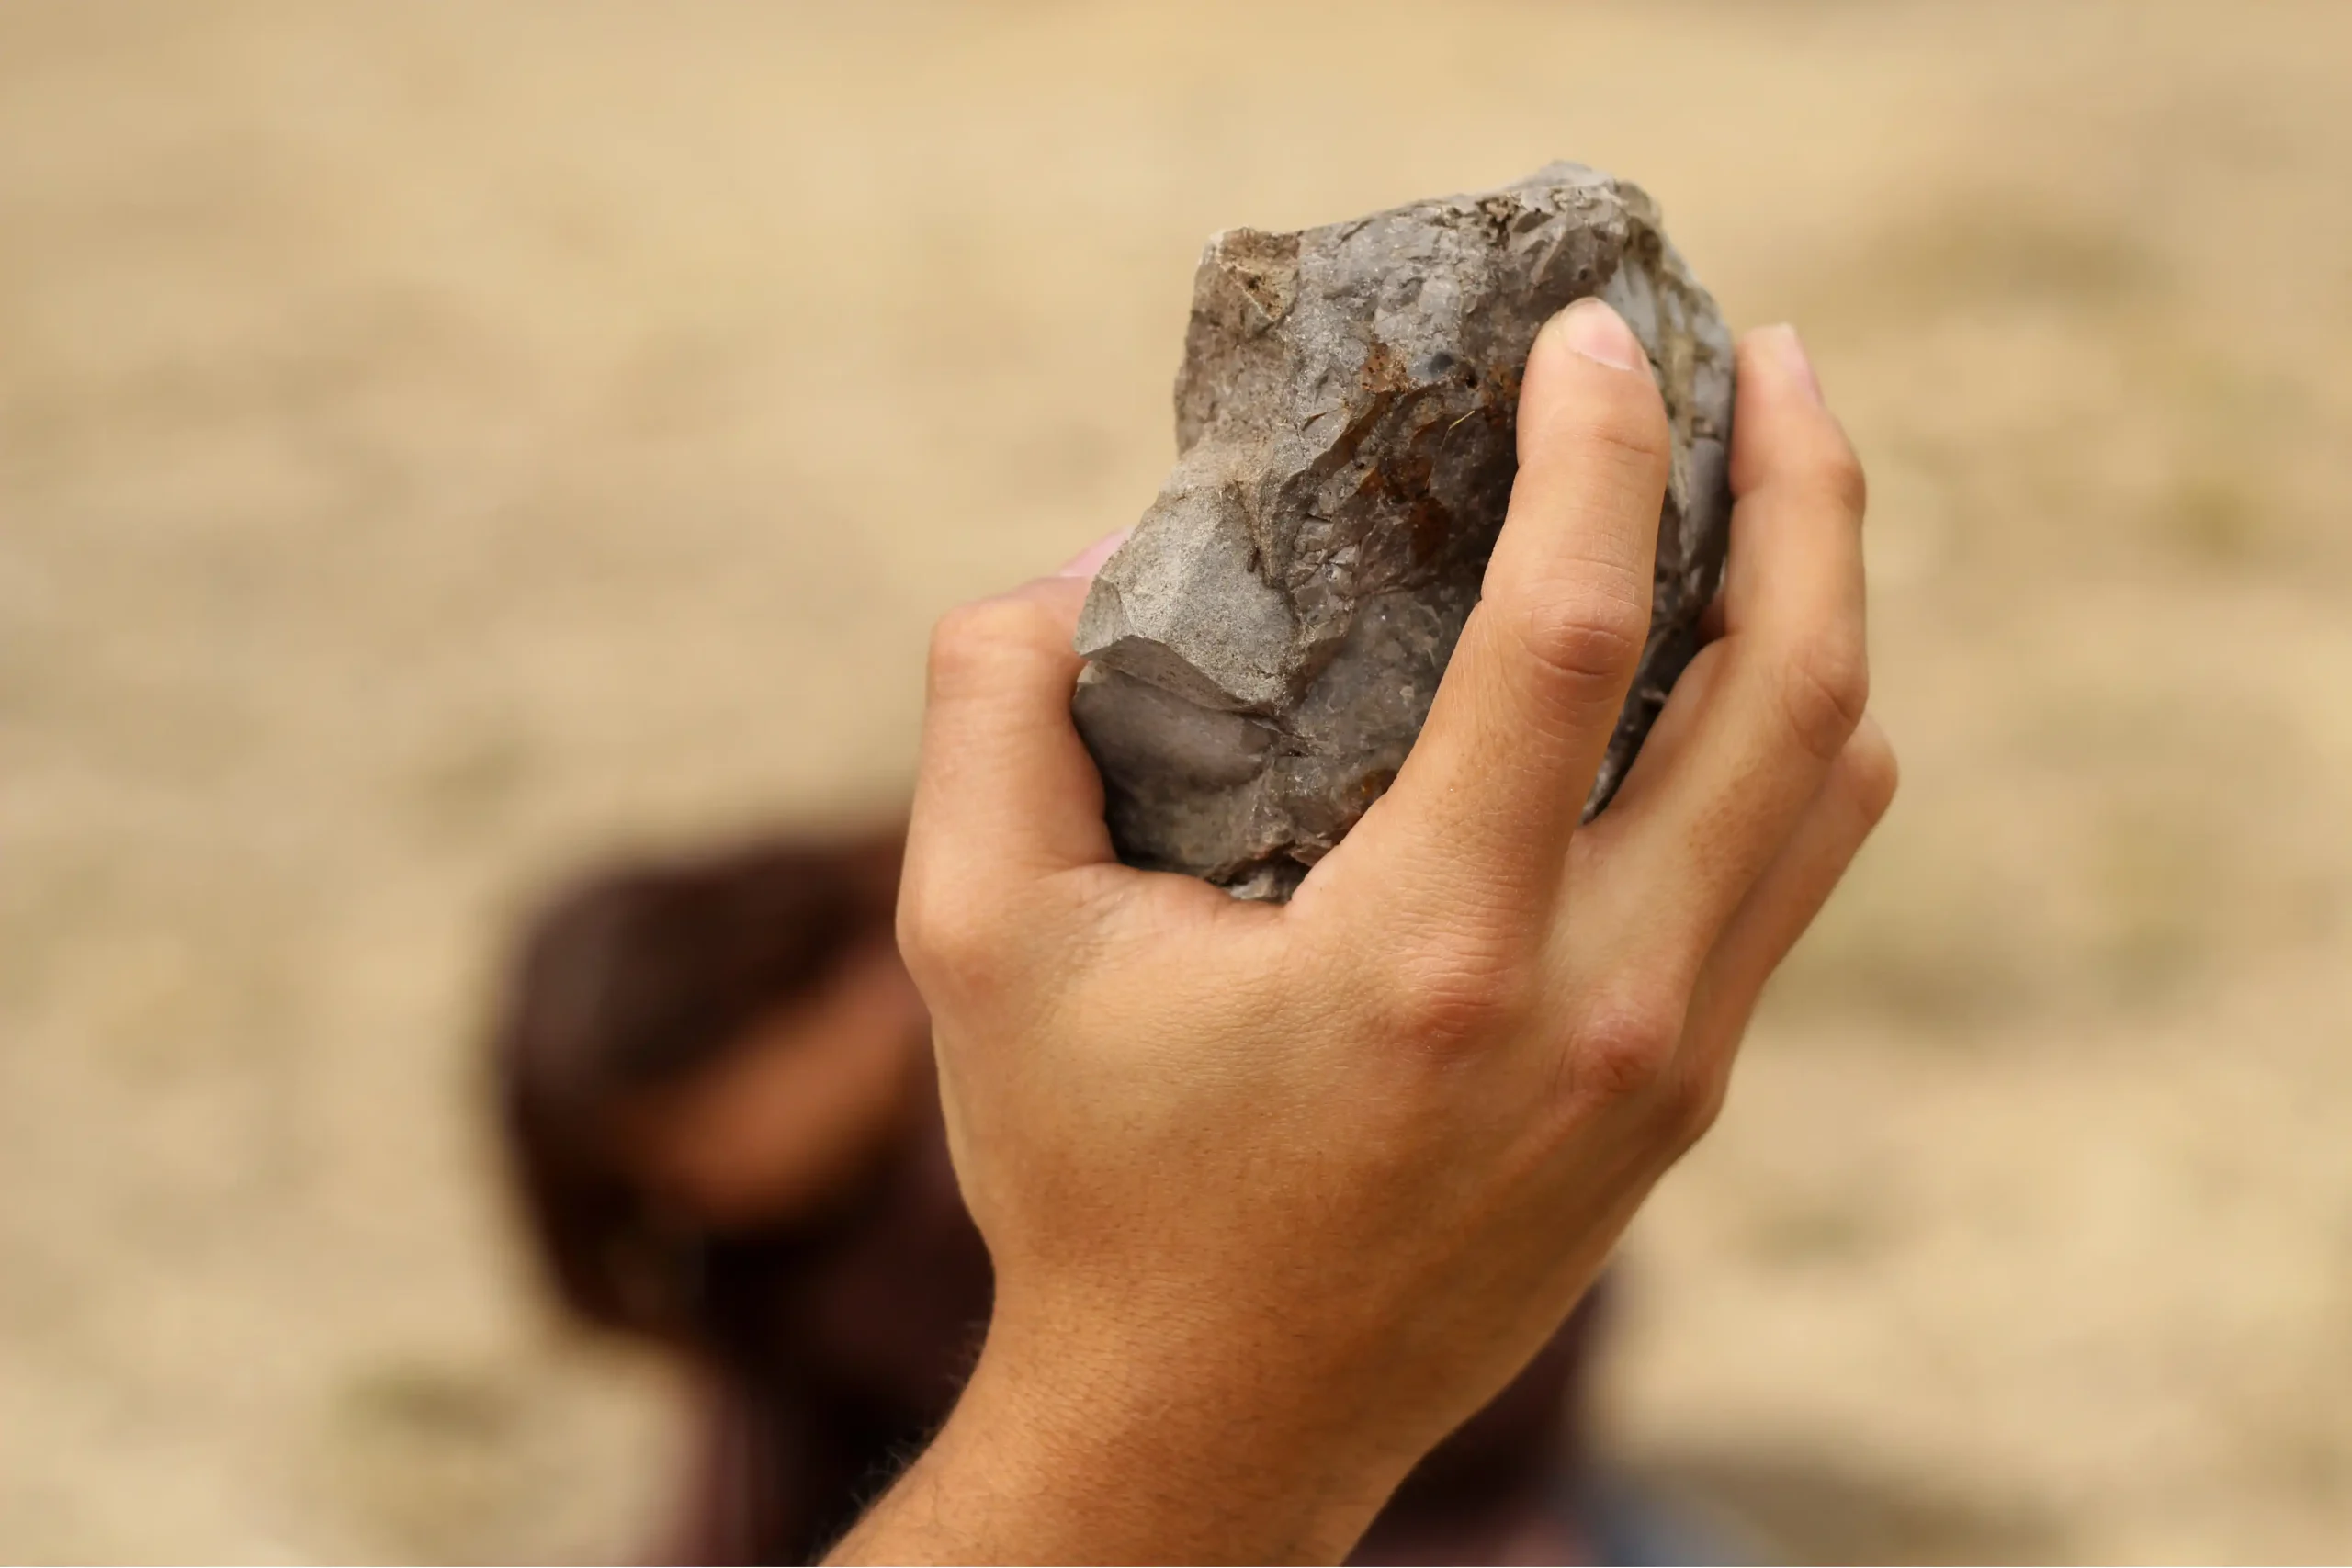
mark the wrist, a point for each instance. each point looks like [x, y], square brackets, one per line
[1061, 1450]
[1195, 1451]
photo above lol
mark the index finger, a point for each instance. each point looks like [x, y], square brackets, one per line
[1481, 813]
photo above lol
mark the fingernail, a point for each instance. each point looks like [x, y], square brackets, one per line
[1600, 335]
[1796, 361]
[1088, 561]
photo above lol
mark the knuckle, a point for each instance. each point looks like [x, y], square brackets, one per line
[1843, 480]
[1613, 419]
[1873, 775]
[948, 941]
[1825, 691]
[1631, 428]
[1590, 635]
[1626, 1047]
[1451, 996]
[1694, 1099]
[972, 642]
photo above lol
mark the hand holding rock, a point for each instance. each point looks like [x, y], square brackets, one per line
[1279, 1193]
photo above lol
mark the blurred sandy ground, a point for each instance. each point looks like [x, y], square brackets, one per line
[442, 442]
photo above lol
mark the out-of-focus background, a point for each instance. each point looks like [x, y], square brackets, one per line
[444, 443]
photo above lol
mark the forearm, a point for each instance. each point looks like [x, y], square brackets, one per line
[1046, 1464]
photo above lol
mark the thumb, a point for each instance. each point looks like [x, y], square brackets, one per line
[1005, 792]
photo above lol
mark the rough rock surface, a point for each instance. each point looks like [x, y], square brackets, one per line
[1263, 648]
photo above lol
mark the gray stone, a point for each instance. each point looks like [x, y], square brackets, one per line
[1263, 648]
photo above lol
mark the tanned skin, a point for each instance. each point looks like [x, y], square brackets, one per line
[1278, 1195]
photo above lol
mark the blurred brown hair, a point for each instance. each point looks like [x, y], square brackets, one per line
[629, 982]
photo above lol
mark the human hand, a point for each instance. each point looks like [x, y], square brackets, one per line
[1278, 1195]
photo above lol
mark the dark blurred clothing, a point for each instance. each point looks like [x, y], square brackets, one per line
[867, 1324]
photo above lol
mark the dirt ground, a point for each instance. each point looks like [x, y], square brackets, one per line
[444, 443]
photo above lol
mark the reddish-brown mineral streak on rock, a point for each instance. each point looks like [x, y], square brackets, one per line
[1262, 650]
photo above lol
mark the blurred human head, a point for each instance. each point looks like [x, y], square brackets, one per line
[697, 1053]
